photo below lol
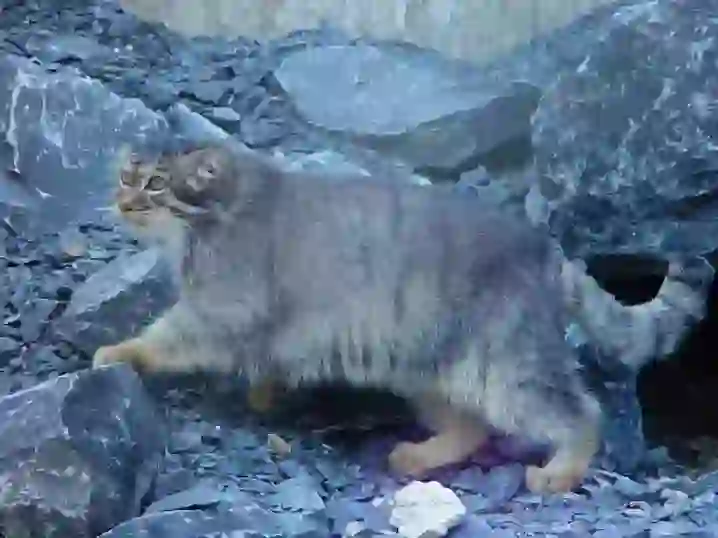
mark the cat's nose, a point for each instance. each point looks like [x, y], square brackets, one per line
[131, 203]
[125, 204]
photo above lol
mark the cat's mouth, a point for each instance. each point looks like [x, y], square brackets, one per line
[140, 217]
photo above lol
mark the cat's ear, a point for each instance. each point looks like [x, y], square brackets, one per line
[208, 164]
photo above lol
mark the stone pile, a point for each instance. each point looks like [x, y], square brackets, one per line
[603, 132]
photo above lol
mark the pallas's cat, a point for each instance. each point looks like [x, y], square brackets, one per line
[291, 278]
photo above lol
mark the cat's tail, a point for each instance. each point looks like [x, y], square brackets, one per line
[638, 334]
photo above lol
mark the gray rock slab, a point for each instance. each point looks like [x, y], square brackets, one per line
[246, 520]
[625, 133]
[59, 132]
[414, 105]
[116, 301]
[77, 453]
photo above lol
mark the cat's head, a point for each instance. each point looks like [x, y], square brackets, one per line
[171, 187]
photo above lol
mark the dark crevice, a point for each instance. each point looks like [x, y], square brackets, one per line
[679, 395]
[632, 279]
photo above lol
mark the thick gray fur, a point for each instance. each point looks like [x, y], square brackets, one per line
[420, 290]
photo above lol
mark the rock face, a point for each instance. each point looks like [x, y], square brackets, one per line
[77, 454]
[625, 142]
[411, 105]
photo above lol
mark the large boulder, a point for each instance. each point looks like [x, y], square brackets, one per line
[624, 136]
[78, 454]
[409, 104]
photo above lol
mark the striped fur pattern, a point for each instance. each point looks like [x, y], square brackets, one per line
[420, 290]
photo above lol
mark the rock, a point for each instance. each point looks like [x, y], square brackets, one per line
[199, 496]
[116, 301]
[426, 510]
[65, 48]
[414, 106]
[34, 316]
[225, 117]
[298, 495]
[351, 518]
[194, 127]
[210, 91]
[624, 143]
[501, 484]
[77, 453]
[278, 445]
[174, 524]
[60, 131]
[9, 349]
[263, 133]
[244, 519]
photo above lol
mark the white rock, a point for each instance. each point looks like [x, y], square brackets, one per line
[426, 510]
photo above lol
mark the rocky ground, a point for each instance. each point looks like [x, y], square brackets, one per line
[87, 453]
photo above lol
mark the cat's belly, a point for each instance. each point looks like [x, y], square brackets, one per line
[366, 347]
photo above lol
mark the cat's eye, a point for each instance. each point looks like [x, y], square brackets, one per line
[155, 183]
[128, 179]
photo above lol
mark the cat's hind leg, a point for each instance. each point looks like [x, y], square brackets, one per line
[457, 435]
[564, 414]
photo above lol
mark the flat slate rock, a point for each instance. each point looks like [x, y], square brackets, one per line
[77, 453]
[246, 520]
[413, 105]
[625, 134]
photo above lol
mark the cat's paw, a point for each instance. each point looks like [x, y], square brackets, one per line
[547, 480]
[410, 459]
[130, 352]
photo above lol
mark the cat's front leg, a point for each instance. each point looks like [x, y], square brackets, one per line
[133, 351]
[173, 343]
